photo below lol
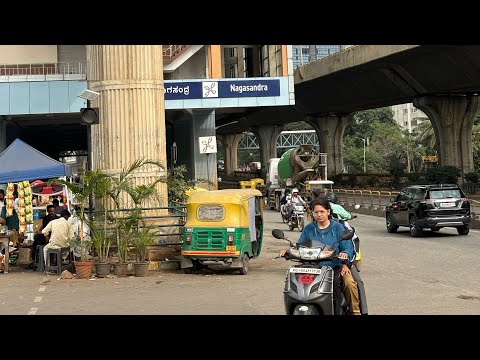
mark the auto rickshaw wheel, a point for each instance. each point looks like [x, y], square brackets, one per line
[245, 264]
[187, 270]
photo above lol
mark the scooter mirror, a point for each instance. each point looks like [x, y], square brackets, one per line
[347, 234]
[277, 233]
[357, 206]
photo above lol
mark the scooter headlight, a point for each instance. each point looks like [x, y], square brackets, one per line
[309, 253]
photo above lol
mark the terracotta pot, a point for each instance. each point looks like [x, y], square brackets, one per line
[83, 269]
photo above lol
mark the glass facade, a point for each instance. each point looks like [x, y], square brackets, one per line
[301, 53]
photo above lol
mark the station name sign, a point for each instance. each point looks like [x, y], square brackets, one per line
[221, 89]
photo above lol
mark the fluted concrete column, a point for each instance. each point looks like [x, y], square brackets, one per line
[330, 130]
[132, 110]
[267, 140]
[452, 119]
[230, 145]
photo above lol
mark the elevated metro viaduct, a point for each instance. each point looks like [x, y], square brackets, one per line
[443, 81]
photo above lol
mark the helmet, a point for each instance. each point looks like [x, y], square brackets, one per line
[331, 197]
[295, 191]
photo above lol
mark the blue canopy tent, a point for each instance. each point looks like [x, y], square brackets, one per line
[20, 162]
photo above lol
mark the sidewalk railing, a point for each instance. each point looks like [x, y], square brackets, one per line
[43, 72]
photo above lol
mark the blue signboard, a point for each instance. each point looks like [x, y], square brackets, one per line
[221, 89]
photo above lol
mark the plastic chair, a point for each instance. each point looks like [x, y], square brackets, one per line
[39, 261]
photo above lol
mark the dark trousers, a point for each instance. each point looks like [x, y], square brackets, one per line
[38, 239]
[337, 291]
[361, 289]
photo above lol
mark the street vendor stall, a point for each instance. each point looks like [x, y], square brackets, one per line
[20, 163]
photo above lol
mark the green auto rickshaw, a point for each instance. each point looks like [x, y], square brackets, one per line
[224, 229]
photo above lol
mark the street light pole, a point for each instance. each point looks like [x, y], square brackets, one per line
[364, 162]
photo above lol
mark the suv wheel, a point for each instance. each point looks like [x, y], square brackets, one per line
[464, 230]
[414, 229]
[391, 228]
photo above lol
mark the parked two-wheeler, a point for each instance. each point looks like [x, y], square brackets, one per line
[309, 284]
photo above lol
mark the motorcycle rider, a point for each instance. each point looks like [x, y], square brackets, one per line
[295, 200]
[329, 232]
[342, 215]
[284, 200]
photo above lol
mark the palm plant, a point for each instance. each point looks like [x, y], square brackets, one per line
[139, 195]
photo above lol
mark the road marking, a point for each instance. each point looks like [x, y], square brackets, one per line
[32, 311]
[38, 299]
[42, 288]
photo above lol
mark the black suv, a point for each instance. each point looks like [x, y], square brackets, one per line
[429, 206]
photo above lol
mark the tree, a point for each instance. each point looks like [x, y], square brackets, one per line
[299, 125]
[425, 136]
[476, 146]
[363, 120]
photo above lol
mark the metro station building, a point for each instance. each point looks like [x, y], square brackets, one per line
[152, 99]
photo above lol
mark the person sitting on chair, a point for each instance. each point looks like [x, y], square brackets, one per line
[39, 238]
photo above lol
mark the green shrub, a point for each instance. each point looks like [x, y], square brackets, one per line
[447, 174]
[472, 177]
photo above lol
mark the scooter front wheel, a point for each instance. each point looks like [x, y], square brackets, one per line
[301, 224]
[305, 309]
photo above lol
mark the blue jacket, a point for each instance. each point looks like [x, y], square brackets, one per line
[328, 236]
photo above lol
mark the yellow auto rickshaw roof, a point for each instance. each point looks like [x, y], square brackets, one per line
[194, 189]
[226, 195]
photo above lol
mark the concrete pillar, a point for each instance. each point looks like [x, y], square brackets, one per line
[204, 125]
[230, 144]
[330, 130]
[131, 109]
[452, 119]
[267, 140]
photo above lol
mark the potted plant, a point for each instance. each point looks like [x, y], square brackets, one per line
[101, 242]
[140, 238]
[136, 196]
[83, 267]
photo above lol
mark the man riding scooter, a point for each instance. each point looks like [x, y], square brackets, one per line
[295, 199]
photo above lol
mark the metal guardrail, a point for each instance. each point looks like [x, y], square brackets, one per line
[376, 199]
[55, 71]
[176, 212]
[170, 51]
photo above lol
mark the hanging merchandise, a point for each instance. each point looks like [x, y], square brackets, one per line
[10, 199]
[23, 204]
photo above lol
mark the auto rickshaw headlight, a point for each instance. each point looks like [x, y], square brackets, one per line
[230, 239]
[189, 239]
[189, 230]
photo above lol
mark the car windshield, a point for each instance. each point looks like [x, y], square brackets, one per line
[445, 193]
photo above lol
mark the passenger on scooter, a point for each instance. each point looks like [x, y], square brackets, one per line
[342, 215]
[295, 199]
[329, 232]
